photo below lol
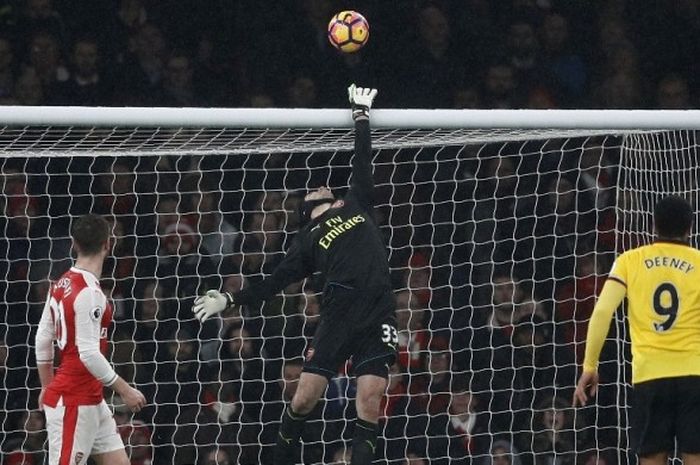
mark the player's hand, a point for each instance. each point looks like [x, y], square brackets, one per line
[211, 303]
[588, 380]
[361, 99]
[40, 401]
[133, 399]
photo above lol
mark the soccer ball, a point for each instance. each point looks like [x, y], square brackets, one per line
[348, 31]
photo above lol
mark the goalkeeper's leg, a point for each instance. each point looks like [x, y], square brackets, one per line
[310, 389]
[370, 389]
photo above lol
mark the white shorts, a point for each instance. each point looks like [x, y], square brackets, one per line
[77, 432]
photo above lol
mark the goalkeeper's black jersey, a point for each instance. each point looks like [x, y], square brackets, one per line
[344, 244]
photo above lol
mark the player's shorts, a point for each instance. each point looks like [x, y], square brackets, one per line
[345, 333]
[76, 432]
[663, 410]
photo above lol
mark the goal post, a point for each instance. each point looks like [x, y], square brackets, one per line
[500, 227]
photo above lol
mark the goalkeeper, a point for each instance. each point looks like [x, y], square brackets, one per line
[340, 239]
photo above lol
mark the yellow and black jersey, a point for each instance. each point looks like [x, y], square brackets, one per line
[662, 284]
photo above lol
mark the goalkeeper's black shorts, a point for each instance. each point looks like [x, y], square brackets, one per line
[663, 411]
[355, 325]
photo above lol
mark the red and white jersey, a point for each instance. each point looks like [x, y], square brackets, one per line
[78, 316]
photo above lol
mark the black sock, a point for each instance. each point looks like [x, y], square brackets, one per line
[288, 437]
[364, 442]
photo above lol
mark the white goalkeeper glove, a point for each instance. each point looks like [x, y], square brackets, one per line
[361, 99]
[211, 303]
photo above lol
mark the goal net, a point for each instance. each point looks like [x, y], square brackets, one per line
[499, 240]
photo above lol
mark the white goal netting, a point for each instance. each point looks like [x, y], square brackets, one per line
[498, 241]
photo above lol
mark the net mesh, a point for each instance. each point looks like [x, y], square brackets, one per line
[498, 245]
[80, 141]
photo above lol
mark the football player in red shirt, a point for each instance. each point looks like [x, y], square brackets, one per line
[77, 316]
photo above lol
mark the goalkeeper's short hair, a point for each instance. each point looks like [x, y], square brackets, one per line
[673, 216]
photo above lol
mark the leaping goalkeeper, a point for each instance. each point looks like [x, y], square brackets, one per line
[341, 240]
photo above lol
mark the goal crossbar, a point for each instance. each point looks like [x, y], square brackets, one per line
[88, 131]
[625, 120]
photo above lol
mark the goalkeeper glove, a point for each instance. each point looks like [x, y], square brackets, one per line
[211, 303]
[361, 100]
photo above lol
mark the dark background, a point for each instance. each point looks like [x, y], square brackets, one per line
[442, 54]
[497, 250]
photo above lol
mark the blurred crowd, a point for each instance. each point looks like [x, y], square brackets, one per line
[497, 251]
[427, 54]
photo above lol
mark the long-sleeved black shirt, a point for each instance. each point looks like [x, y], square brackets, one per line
[344, 244]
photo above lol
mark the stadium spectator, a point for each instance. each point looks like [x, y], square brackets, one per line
[175, 378]
[435, 66]
[40, 16]
[511, 303]
[144, 66]
[132, 14]
[28, 89]
[403, 416]
[673, 93]
[439, 375]
[302, 93]
[218, 235]
[217, 414]
[410, 325]
[539, 361]
[418, 275]
[153, 323]
[87, 85]
[596, 177]
[502, 452]
[115, 193]
[461, 432]
[556, 433]
[561, 223]
[562, 62]
[261, 243]
[121, 264]
[45, 58]
[575, 301]
[178, 88]
[218, 73]
[524, 56]
[244, 365]
[29, 437]
[483, 346]
[491, 190]
[182, 271]
[137, 441]
[500, 87]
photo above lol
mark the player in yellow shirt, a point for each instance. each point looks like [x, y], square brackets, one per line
[662, 285]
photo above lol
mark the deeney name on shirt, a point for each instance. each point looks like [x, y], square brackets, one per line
[338, 226]
[671, 262]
